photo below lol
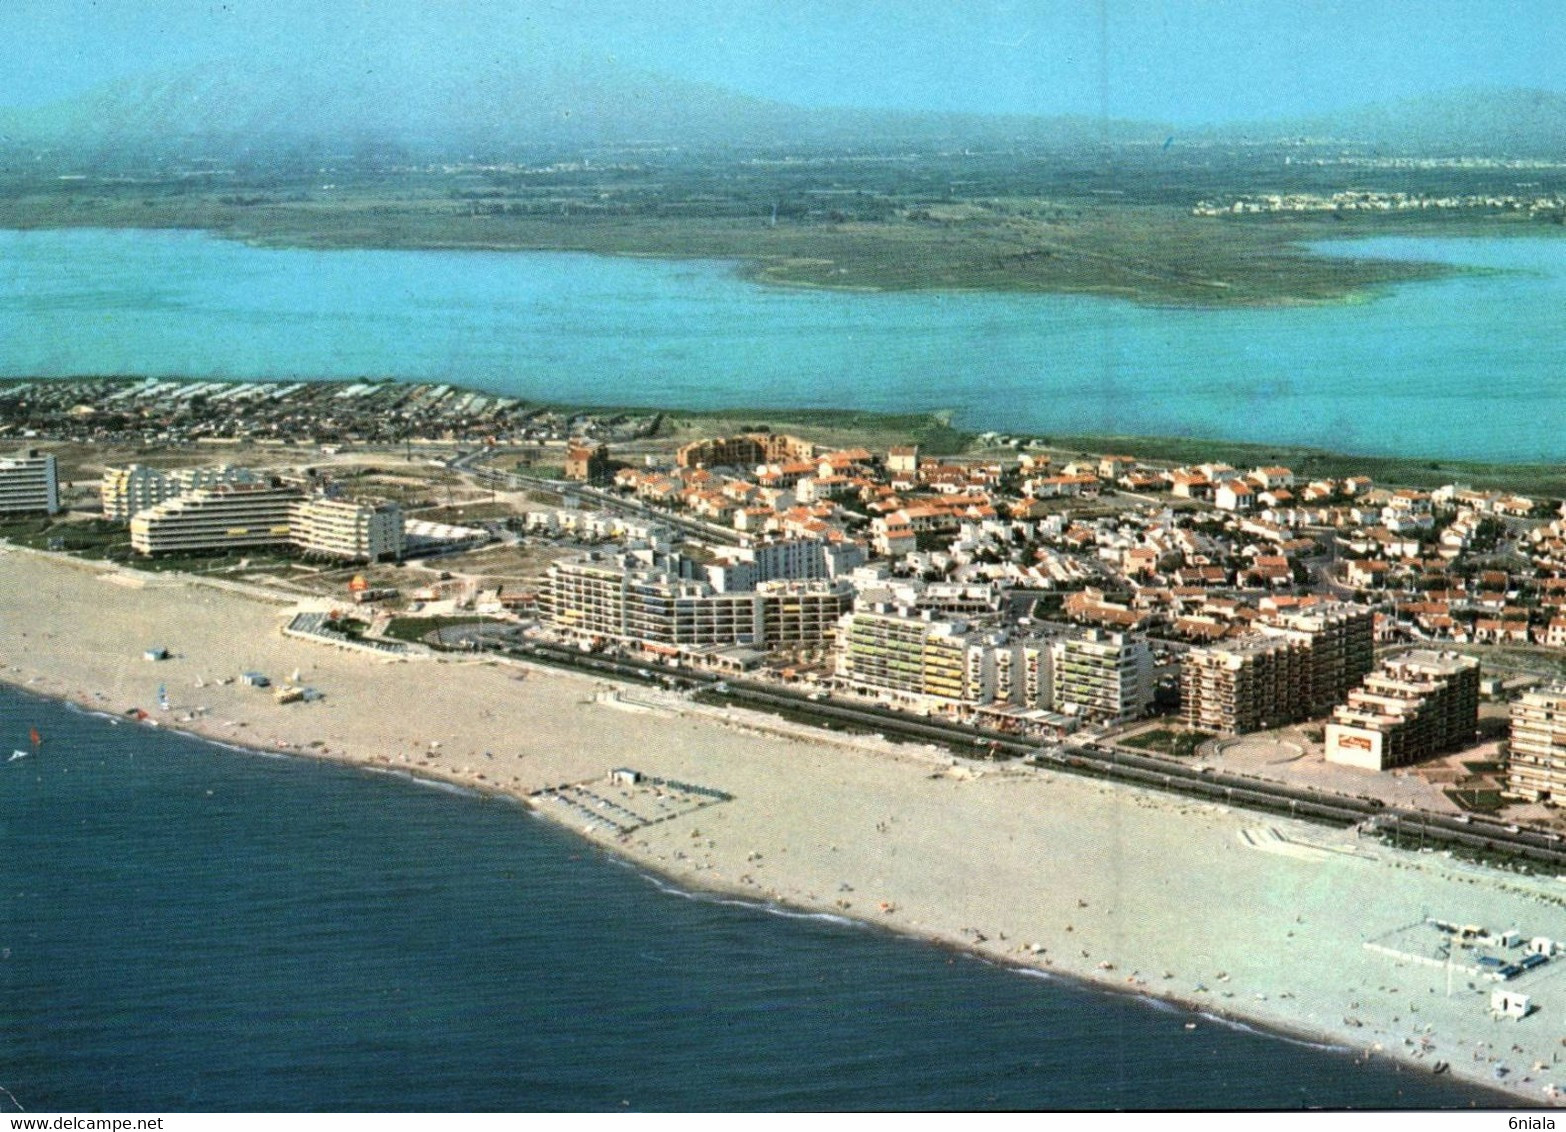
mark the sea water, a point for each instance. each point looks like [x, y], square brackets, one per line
[1470, 366]
[188, 927]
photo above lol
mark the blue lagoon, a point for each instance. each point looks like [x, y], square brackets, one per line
[1471, 366]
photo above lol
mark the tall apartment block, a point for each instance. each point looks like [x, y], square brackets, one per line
[802, 613]
[1415, 706]
[909, 657]
[227, 517]
[1102, 676]
[626, 598]
[1249, 685]
[29, 481]
[1340, 642]
[1291, 668]
[238, 516]
[341, 528]
[1537, 770]
[1022, 674]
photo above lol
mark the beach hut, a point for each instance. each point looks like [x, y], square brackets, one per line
[1509, 1004]
[625, 776]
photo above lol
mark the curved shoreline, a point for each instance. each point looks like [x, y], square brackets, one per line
[687, 886]
[973, 858]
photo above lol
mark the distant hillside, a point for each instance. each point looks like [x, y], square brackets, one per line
[438, 106]
[426, 108]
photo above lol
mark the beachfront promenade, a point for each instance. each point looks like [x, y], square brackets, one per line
[1151, 893]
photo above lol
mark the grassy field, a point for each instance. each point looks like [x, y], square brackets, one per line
[415, 629]
[1179, 744]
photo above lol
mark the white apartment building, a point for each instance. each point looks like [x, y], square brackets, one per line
[136, 487]
[631, 598]
[1414, 706]
[1102, 676]
[745, 568]
[226, 517]
[29, 481]
[913, 659]
[341, 528]
[1537, 770]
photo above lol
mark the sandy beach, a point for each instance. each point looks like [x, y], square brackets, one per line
[1230, 912]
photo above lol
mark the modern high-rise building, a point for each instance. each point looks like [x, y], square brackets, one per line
[1416, 705]
[911, 658]
[1102, 676]
[639, 600]
[236, 516]
[1340, 643]
[29, 481]
[928, 661]
[746, 567]
[586, 597]
[1022, 673]
[1246, 685]
[341, 528]
[1537, 764]
[226, 517]
[802, 613]
[1291, 668]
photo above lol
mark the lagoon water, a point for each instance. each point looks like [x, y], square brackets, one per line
[1470, 366]
[185, 927]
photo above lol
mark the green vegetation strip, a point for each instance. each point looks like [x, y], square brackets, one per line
[415, 629]
[1180, 744]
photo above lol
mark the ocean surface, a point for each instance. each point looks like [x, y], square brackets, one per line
[189, 927]
[1471, 366]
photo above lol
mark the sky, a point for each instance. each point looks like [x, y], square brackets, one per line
[1188, 61]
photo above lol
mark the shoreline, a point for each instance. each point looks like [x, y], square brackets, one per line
[676, 883]
[916, 843]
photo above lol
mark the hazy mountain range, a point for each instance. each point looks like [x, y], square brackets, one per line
[430, 109]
